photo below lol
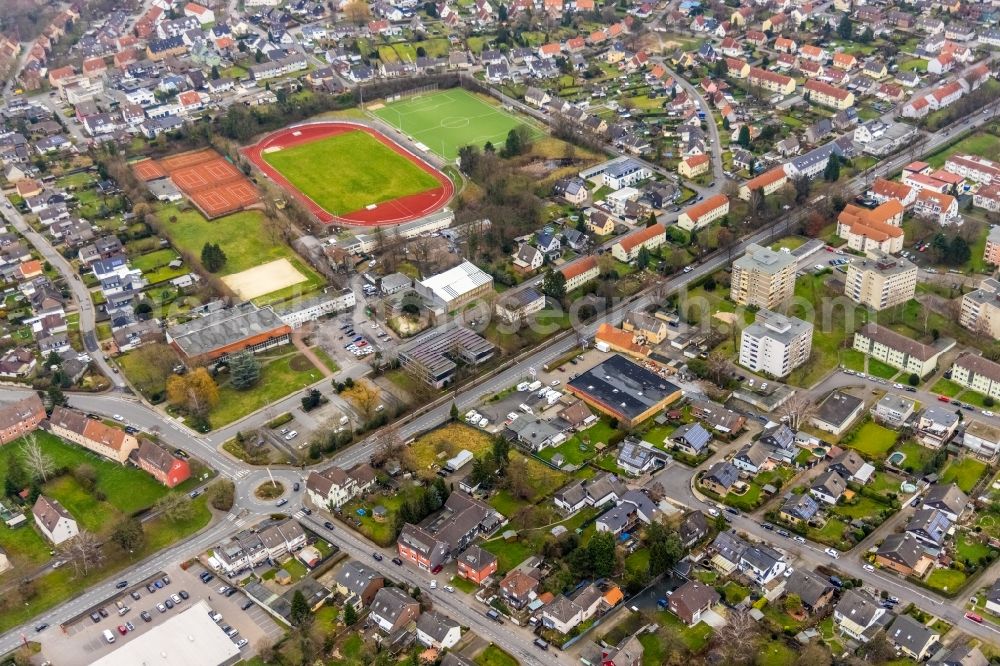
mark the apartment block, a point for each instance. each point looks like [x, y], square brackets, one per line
[977, 373]
[768, 182]
[881, 281]
[828, 95]
[896, 350]
[763, 277]
[704, 213]
[772, 81]
[980, 311]
[627, 249]
[878, 229]
[992, 253]
[775, 344]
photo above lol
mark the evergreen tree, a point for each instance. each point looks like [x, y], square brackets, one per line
[642, 259]
[513, 146]
[350, 615]
[845, 29]
[454, 412]
[300, 613]
[744, 136]
[212, 257]
[832, 171]
[244, 371]
[554, 285]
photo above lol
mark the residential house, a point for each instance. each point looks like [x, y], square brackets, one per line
[519, 587]
[936, 425]
[904, 554]
[392, 609]
[852, 467]
[828, 487]
[693, 528]
[929, 526]
[798, 508]
[720, 477]
[55, 523]
[813, 590]
[762, 564]
[334, 486]
[437, 630]
[691, 600]
[476, 564]
[92, 434]
[637, 457]
[857, 615]
[911, 637]
[946, 498]
[161, 465]
[20, 417]
[358, 583]
[893, 410]
[691, 438]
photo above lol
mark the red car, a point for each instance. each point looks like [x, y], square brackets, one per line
[122, 630]
[944, 398]
[973, 617]
[436, 569]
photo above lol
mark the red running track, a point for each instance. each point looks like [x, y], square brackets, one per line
[395, 211]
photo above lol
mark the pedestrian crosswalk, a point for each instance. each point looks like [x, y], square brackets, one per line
[299, 514]
[241, 474]
[236, 520]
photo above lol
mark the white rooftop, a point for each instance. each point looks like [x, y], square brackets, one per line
[457, 281]
[190, 637]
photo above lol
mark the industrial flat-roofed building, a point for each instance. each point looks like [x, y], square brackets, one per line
[429, 356]
[622, 389]
[244, 327]
[189, 637]
[456, 286]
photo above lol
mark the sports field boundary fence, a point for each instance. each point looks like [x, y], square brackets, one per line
[413, 92]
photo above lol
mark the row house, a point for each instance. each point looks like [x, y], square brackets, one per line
[108, 441]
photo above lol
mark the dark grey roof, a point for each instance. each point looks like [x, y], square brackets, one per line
[808, 585]
[723, 473]
[729, 546]
[947, 498]
[838, 407]
[222, 328]
[694, 435]
[858, 607]
[902, 548]
[910, 634]
[436, 625]
[624, 386]
[802, 506]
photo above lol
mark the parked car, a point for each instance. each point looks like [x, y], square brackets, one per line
[377, 557]
[146, 616]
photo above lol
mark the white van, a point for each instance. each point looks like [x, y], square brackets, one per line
[108, 636]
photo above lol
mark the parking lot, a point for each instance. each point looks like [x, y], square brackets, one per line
[82, 642]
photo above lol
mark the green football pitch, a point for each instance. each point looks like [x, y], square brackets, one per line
[447, 120]
[345, 172]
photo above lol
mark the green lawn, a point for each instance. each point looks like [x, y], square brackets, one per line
[61, 584]
[916, 456]
[240, 235]
[884, 483]
[860, 507]
[965, 472]
[830, 534]
[367, 171]
[880, 369]
[695, 638]
[970, 548]
[279, 377]
[852, 359]
[153, 260]
[948, 581]
[581, 447]
[947, 387]
[873, 440]
[447, 120]
[494, 656]
[775, 653]
[812, 298]
[509, 553]
[638, 561]
[982, 144]
[733, 593]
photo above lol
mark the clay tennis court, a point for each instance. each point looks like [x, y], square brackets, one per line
[395, 211]
[210, 181]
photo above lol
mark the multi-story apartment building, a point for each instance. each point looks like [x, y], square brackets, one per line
[881, 282]
[704, 213]
[768, 182]
[896, 350]
[977, 373]
[775, 344]
[627, 249]
[580, 272]
[980, 311]
[828, 95]
[992, 253]
[772, 81]
[878, 229]
[763, 277]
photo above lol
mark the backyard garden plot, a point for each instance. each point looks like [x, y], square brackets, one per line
[450, 119]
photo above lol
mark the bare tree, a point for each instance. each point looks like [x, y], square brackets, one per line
[718, 368]
[365, 396]
[388, 444]
[738, 638]
[84, 551]
[797, 410]
[39, 462]
[174, 506]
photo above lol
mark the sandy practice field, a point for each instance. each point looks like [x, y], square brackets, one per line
[264, 279]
